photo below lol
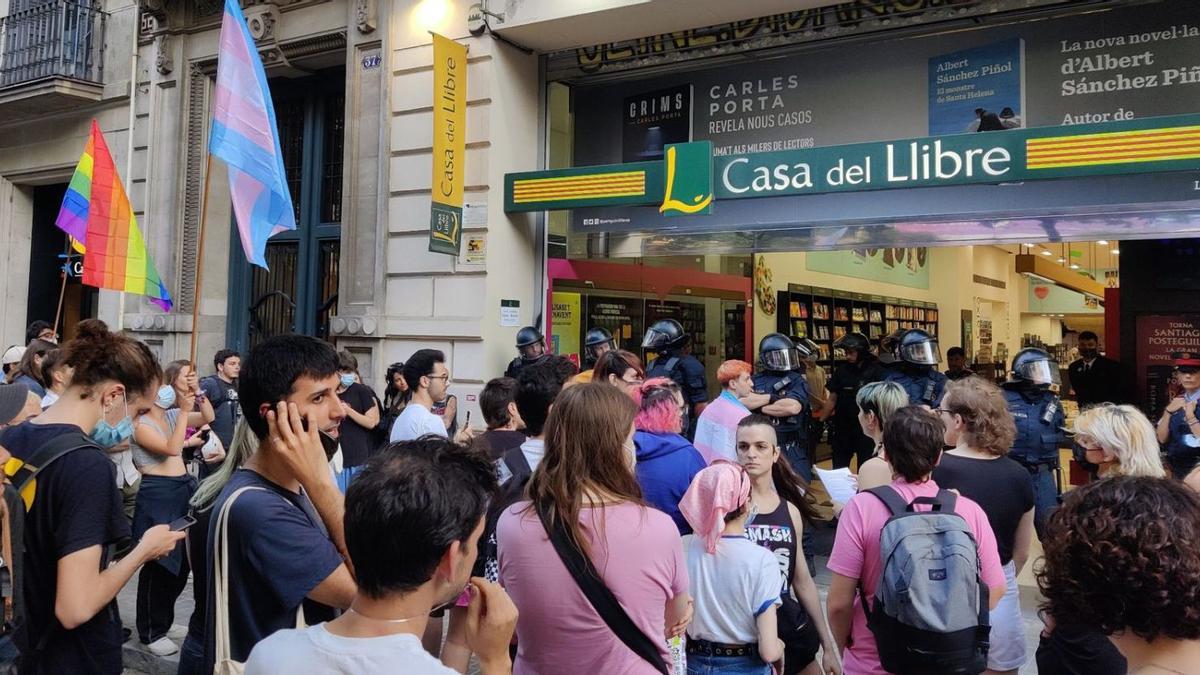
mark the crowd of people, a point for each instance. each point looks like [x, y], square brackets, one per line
[608, 520]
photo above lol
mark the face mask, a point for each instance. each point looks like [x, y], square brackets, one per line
[347, 379]
[166, 397]
[1088, 353]
[108, 435]
[1191, 441]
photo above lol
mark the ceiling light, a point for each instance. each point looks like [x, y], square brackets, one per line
[1074, 266]
[1103, 242]
[1062, 260]
[1115, 251]
[1045, 252]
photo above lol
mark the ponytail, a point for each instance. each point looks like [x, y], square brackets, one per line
[240, 450]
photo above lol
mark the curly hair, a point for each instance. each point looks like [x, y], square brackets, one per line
[989, 425]
[1123, 553]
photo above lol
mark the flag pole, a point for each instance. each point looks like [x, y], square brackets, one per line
[133, 85]
[62, 291]
[200, 260]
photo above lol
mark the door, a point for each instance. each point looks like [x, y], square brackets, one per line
[298, 292]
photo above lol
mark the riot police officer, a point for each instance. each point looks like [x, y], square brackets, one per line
[531, 348]
[917, 357]
[1038, 415]
[782, 394]
[860, 368]
[674, 361]
[597, 341]
[887, 349]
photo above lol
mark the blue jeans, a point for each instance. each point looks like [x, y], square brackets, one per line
[701, 664]
[346, 477]
[1045, 497]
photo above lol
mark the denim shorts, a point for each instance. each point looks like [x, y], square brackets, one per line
[702, 664]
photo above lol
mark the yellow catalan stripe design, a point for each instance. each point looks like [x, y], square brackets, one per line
[591, 186]
[1121, 147]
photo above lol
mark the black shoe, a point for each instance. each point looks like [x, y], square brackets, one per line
[126, 633]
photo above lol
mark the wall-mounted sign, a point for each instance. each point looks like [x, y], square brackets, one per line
[653, 120]
[1157, 337]
[449, 144]
[1125, 147]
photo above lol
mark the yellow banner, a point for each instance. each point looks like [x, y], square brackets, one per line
[567, 324]
[449, 143]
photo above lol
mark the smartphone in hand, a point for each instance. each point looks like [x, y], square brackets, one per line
[182, 524]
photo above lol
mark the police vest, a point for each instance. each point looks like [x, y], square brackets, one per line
[1038, 421]
[924, 389]
[780, 385]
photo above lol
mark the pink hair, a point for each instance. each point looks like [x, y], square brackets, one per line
[657, 410]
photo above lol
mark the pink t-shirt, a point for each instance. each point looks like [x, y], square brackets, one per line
[639, 555]
[856, 555]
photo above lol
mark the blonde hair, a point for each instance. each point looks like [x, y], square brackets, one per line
[241, 448]
[1125, 432]
[881, 398]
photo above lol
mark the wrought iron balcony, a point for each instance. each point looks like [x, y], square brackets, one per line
[51, 48]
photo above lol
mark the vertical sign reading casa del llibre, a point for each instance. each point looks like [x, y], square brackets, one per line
[449, 144]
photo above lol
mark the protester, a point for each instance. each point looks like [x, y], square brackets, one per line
[1122, 557]
[69, 587]
[586, 491]
[1119, 440]
[979, 431]
[912, 446]
[221, 390]
[778, 493]
[41, 330]
[1179, 427]
[734, 582]
[56, 375]
[427, 378]
[412, 519]
[14, 409]
[877, 402]
[621, 369]
[362, 416]
[12, 356]
[159, 442]
[716, 430]
[666, 461]
[504, 424]
[395, 395]
[29, 371]
[244, 445]
[284, 529]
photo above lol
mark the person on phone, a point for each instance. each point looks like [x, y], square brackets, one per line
[413, 517]
[285, 533]
[159, 443]
[1179, 427]
[71, 623]
[734, 581]
[586, 483]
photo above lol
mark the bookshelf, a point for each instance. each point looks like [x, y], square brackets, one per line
[823, 315]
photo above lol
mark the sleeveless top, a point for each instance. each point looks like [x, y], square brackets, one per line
[143, 457]
[775, 532]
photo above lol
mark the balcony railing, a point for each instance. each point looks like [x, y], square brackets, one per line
[52, 38]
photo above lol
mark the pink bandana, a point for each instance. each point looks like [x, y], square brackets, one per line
[720, 489]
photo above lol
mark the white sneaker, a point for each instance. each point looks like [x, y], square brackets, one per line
[162, 647]
[177, 632]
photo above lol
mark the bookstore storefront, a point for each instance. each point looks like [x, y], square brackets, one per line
[986, 183]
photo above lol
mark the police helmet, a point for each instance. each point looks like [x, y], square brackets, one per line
[853, 342]
[917, 347]
[664, 334]
[530, 343]
[777, 352]
[807, 348]
[1035, 366]
[597, 341]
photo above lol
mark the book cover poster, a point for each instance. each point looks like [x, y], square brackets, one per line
[977, 89]
[653, 120]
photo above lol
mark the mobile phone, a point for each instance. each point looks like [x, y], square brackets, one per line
[467, 424]
[328, 443]
[182, 524]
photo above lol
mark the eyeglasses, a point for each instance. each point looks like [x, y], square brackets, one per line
[439, 377]
[945, 410]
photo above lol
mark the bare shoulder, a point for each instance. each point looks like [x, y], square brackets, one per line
[874, 473]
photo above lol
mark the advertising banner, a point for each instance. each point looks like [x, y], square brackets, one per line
[654, 120]
[449, 144]
[566, 326]
[901, 266]
[965, 86]
[1157, 337]
[621, 316]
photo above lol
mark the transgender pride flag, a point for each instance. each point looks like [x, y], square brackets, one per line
[245, 137]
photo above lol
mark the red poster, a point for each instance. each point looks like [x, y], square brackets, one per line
[1157, 337]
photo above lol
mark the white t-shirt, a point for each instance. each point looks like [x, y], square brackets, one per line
[316, 650]
[731, 588]
[414, 422]
[534, 450]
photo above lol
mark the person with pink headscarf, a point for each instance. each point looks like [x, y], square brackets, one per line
[734, 582]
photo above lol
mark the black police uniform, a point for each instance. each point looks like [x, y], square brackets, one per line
[1039, 419]
[848, 437]
[792, 431]
[686, 371]
[518, 364]
[923, 384]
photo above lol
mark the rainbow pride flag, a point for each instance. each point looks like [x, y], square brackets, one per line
[96, 214]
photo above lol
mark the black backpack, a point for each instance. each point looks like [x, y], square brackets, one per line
[513, 473]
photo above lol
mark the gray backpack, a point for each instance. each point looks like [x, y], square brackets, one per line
[930, 614]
